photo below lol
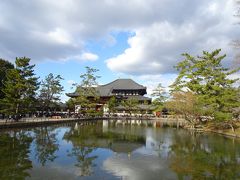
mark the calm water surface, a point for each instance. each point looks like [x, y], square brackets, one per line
[111, 150]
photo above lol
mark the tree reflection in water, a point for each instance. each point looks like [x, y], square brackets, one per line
[204, 157]
[175, 153]
[46, 144]
[84, 143]
[86, 138]
[14, 151]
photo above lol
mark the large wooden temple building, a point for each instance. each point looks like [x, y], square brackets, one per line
[121, 89]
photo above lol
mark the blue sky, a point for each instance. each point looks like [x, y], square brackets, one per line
[135, 39]
[70, 70]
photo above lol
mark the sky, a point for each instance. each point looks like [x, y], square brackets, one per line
[138, 39]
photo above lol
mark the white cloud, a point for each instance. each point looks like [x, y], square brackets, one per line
[60, 36]
[58, 30]
[161, 30]
[155, 49]
[88, 56]
[85, 56]
[70, 82]
[132, 168]
[152, 81]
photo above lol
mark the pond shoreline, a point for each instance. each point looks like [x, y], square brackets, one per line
[42, 122]
[36, 122]
[221, 132]
[99, 149]
[227, 133]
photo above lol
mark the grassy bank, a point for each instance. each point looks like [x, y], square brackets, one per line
[227, 132]
[219, 129]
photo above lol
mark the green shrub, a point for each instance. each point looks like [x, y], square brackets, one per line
[222, 116]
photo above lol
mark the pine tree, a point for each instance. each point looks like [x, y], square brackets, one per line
[20, 88]
[131, 105]
[4, 67]
[160, 96]
[50, 91]
[112, 104]
[209, 80]
[87, 91]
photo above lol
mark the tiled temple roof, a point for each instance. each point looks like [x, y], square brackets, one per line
[119, 84]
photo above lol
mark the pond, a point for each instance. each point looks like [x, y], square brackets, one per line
[116, 150]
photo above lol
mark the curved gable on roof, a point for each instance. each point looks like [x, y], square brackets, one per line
[118, 84]
[127, 84]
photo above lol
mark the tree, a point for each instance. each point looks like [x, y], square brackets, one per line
[71, 104]
[160, 96]
[15, 157]
[4, 67]
[46, 144]
[112, 104]
[206, 78]
[50, 91]
[203, 157]
[83, 148]
[20, 88]
[185, 103]
[131, 105]
[236, 110]
[87, 91]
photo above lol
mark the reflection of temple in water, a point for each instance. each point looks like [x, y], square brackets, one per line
[122, 142]
[119, 141]
[152, 141]
[124, 136]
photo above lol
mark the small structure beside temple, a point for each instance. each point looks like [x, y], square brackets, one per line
[121, 89]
